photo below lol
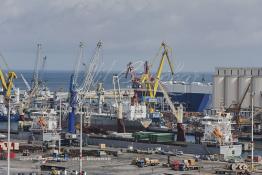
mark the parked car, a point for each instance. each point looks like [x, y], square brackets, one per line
[179, 153]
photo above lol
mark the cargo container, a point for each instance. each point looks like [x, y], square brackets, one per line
[142, 135]
[161, 137]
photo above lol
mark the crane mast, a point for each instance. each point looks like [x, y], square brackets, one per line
[119, 105]
[36, 67]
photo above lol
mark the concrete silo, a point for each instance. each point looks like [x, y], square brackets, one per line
[257, 89]
[218, 91]
[231, 90]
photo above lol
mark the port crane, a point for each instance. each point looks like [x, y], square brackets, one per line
[165, 56]
[153, 83]
[36, 80]
[150, 82]
[79, 91]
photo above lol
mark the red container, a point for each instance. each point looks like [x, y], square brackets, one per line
[257, 158]
[12, 155]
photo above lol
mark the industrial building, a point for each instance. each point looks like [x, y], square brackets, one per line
[235, 87]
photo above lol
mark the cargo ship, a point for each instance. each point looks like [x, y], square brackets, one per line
[14, 116]
[195, 96]
[217, 140]
[135, 119]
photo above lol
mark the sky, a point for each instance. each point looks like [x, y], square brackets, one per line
[203, 34]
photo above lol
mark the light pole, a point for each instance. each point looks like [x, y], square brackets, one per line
[8, 140]
[60, 126]
[60, 116]
[252, 131]
[81, 139]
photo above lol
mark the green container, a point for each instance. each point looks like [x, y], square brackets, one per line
[142, 135]
[161, 137]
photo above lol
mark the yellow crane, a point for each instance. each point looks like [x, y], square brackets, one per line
[7, 84]
[152, 83]
[165, 55]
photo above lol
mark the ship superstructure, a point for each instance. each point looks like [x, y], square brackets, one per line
[218, 135]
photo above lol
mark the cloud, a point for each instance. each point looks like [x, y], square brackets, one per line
[204, 34]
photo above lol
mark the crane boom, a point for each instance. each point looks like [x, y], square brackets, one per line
[92, 68]
[176, 112]
[26, 82]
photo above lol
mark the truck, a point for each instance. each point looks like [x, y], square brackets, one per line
[143, 162]
[184, 165]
